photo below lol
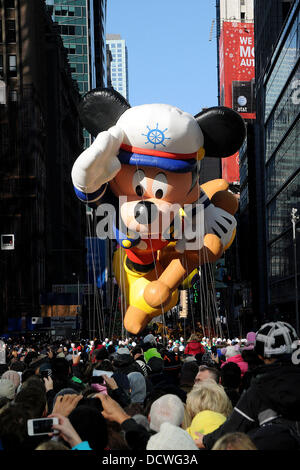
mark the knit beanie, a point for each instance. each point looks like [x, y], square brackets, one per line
[13, 376]
[231, 351]
[168, 408]
[7, 389]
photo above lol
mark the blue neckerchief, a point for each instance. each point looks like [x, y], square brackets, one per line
[124, 240]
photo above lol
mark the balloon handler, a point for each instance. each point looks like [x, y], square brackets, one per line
[145, 160]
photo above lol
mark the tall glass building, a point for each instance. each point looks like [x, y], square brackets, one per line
[119, 64]
[277, 139]
[82, 27]
[282, 162]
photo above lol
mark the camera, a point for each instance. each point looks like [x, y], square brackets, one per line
[45, 373]
[38, 427]
[97, 380]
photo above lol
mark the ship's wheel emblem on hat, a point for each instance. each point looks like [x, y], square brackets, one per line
[156, 136]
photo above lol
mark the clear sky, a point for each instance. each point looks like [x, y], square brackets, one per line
[170, 57]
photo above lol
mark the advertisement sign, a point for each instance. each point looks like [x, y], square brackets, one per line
[237, 68]
[237, 80]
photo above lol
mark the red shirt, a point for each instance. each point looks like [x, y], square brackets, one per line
[148, 255]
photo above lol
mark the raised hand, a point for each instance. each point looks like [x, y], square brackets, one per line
[64, 404]
[99, 163]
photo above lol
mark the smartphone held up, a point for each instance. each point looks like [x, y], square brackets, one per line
[41, 426]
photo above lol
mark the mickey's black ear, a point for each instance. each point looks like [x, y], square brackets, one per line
[100, 109]
[224, 131]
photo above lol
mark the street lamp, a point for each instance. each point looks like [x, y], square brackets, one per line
[294, 219]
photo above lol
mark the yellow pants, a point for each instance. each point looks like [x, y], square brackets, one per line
[133, 285]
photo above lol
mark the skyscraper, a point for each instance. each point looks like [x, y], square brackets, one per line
[40, 136]
[119, 64]
[277, 24]
[82, 28]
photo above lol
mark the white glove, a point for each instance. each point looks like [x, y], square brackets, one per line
[220, 223]
[215, 221]
[99, 163]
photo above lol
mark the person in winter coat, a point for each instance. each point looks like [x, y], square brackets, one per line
[274, 393]
[233, 355]
[194, 346]
[124, 362]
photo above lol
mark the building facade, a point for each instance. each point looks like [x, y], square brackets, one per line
[278, 141]
[119, 64]
[82, 27]
[40, 137]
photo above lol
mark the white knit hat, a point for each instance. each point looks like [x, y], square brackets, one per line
[7, 389]
[168, 408]
[231, 351]
[171, 437]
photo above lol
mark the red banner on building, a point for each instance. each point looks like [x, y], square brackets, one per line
[237, 79]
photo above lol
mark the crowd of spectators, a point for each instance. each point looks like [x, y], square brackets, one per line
[146, 394]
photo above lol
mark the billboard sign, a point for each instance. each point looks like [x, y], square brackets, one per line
[237, 80]
[237, 68]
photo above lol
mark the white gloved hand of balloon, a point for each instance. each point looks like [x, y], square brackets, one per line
[99, 163]
[215, 221]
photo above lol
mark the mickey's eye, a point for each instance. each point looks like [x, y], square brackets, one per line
[160, 186]
[139, 182]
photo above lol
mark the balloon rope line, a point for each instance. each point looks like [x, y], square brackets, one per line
[88, 276]
[201, 280]
[124, 300]
[101, 313]
[93, 270]
[154, 260]
[94, 284]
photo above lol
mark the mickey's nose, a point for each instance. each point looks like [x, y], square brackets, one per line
[145, 212]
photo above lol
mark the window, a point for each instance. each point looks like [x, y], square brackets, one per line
[113, 45]
[9, 4]
[243, 15]
[12, 65]
[11, 31]
[1, 65]
[77, 11]
[13, 96]
[2, 93]
[78, 49]
[67, 30]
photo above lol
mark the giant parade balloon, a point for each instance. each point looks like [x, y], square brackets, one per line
[143, 169]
